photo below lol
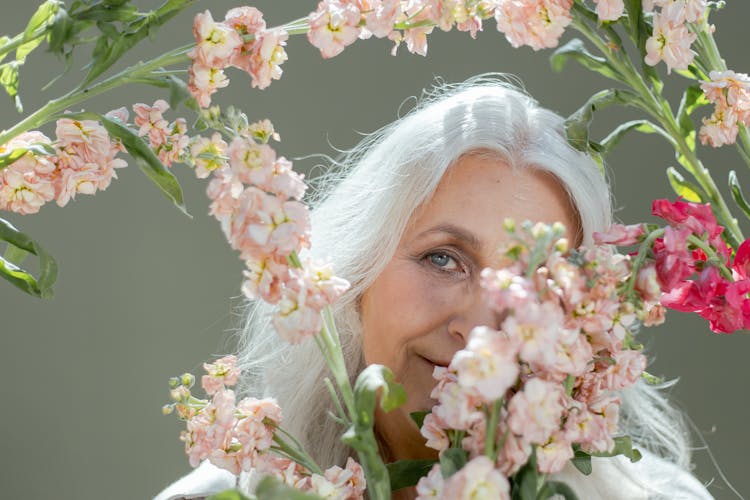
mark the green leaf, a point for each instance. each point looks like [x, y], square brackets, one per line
[623, 446]
[686, 189]
[739, 198]
[376, 378]
[551, 488]
[108, 13]
[271, 488]
[418, 417]
[41, 287]
[640, 29]
[582, 461]
[577, 124]
[643, 126]
[142, 154]
[405, 473]
[452, 460]
[527, 480]
[576, 50]
[692, 99]
[44, 16]
[9, 81]
[15, 255]
[64, 28]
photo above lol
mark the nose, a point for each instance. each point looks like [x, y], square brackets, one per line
[472, 311]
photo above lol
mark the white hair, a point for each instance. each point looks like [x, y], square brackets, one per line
[360, 211]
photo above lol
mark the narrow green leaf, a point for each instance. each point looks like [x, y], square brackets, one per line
[15, 255]
[271, 488]
[552, 488]
[376, 378]
[576, 50]
[41, 287]
[577, 124]
[739, 198]
[692, 99]
[452, 460]
[405, 473]
[623, 446]
[3, 40]
[64, 28]
[123, 13]
[142, 154]
[643, 126]
[582, 461]
[44, 16]
[9, 81]
[418, 417]
[686, 189]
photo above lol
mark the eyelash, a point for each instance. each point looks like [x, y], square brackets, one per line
[426, 258]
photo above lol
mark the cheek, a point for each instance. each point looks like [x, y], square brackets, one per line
[403, 305]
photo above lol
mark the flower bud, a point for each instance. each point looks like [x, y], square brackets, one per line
[188, 380]
[174, 382]
[167, 409]
[181, 393]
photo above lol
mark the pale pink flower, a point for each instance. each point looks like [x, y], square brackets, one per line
[458, 407]
[176, 143]
[344, 484]
[224, 190]
[85, 179]
[204, 81]
[120, 114]
[720, 128]
[294, 319]
[265, 278]
[245, 21]
[536, 411]
[505, 289]
[261, 131]
[285, 182]
[536, 329]
[208, 154]
[605, 411]
[514, 453]
[431, 485]
[620, 235]
[24, 192]
[626, 370]
[536, 23]
[222, 372]
[433, 430]
[487, 364]
[216, 42]
[251, 163]
[380, 16]
[670, 42]
[264, 64]
[553, 455]
[150, 121]
[609, 10]
[256, 424]
[333, 26]
[647, 283]
[695, 10]
[82, 141]
[477, 479]
[323, 285]
[276, 226]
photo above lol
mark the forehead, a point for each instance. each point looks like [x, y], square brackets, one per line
[478, 192]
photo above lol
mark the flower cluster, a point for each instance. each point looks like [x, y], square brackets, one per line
[730, 94]
[81, 160]
[241, 41]
[672, 37]
[692, 245]
[168, 140]
[546, 380]
[256, 195]
[241, 435]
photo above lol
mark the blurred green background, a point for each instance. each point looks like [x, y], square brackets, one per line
[145, 292]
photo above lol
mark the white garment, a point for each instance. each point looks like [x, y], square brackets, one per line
[651, 478]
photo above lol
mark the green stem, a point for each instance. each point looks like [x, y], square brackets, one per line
[643, 250]
[713, 258]
[490, 448]
[21, 39]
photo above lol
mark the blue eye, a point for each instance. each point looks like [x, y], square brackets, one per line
[443, 261]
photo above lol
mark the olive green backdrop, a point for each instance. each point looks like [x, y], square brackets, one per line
[145, 292]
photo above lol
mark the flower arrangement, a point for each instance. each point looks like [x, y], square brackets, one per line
[697, 263]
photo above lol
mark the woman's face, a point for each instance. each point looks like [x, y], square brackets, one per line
[421, 308]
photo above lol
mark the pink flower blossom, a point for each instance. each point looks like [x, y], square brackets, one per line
[344, 484]
[720, 128]
[535, 412]
[29, 182]
[536, 23]
[221, 373]
[245, 21]
[514, 453]
[670, 42]
[553, 455]
[380, 16]
[224, 190]
[609, 10]
[487, 364]
[458, 407]
[204, 81]
[620, 235]
[285, 182]
[265, 278]
[477, 479]
[208, 154]
[627, 369]
[536, 330]
[333, 26]
[216, 42]
[264, 64]
[431, 485]
[151, 121]
[251, 163]
[433, 430]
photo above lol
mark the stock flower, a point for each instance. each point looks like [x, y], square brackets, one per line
[333, 26]
[380, 16]
[458, 408]
[433, 430]
[431, 485]
[216, 43]
[487, 364]
[222, 372]
[514, 453]
[265, 278]
[553, 455]
[536, 330]
[245, 21]
[627, 369]
[535, 412]
[477, 479]
[150, 121]
[536, 23]
[620, 235]
[252, 163]
[27, 183]
[204, 81]
[673, 261]
[670, 42]
[208, 154]
[344, 484]
[268, 54]
[609, 10]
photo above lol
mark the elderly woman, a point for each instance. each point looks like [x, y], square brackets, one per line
[410, 219]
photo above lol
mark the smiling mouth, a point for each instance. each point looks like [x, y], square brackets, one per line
[443, 364]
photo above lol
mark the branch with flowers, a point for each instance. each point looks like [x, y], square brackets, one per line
[484, 424]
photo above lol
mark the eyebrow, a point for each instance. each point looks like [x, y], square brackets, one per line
[455, 231]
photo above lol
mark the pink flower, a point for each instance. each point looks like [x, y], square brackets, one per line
[265, 278]
[251, 163]
[216, 42]
[536, 412]
[224, 190]
[553, 455]
[348, 483]
[536, 23]
[151, 121]
[295, 319]
[647, 283]
[285, 182]
[433, 430]
[477, 479]
[673, 261]
[223, 372]
[536, 330]
[208, 154]
[175, 144]
[245, 21]
[204, 81]
[264, 64]
[27, 183]
[505, 289]
[82, 141]
[620, 235]
[277, 227]
[431, 485]
[720, 128]
[514, 454]
[670, 42]
[458, 407]
[333, 26]
[627, 369]
[380, 16]
[487, 364]
[609, 10]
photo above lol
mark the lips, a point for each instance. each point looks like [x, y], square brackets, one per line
[436, 362]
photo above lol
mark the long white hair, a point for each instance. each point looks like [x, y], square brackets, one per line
[360, 211]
